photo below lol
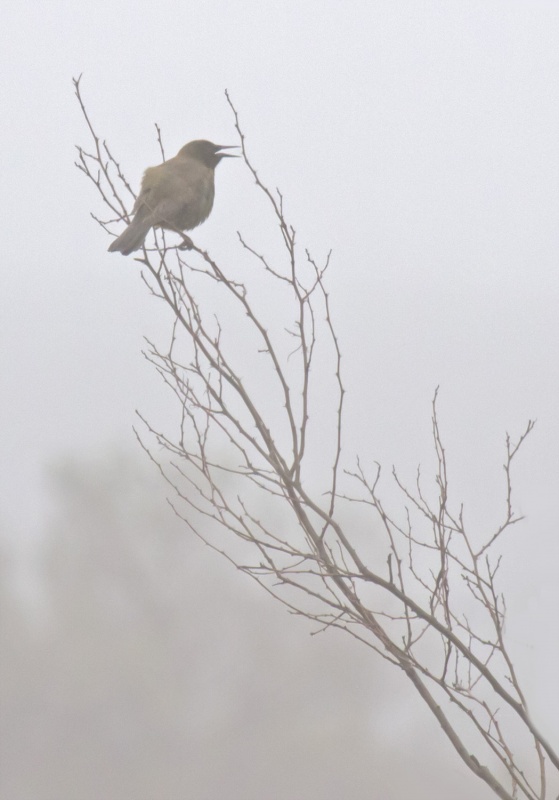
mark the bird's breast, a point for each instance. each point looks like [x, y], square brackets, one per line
[191, 199]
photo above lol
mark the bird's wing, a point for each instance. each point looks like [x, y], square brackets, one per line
[177, 194]
[145, 199]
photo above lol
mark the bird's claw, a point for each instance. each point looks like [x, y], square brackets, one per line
[187, 243]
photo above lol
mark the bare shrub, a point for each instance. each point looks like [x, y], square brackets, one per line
[245, 444]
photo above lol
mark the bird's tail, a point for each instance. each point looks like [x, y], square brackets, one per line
[132, 238]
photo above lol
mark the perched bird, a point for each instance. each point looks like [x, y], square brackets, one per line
[177, 195]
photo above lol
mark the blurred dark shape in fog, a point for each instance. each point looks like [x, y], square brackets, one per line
[151, 670]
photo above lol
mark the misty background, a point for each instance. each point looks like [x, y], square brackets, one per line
[419, 141]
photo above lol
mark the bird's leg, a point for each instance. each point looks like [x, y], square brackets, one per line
[187, 243]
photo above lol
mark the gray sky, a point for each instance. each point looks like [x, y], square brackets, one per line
[419, 140]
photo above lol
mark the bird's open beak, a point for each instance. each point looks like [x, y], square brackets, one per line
[227, 147]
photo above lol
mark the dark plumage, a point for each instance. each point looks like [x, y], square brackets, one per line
[177, 195]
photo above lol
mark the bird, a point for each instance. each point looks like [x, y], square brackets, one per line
[177, 195]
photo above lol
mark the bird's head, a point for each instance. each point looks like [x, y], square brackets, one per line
[206, 152]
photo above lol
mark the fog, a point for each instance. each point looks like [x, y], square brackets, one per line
[419, 142]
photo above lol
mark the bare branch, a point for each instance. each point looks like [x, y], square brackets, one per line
[420, 589]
